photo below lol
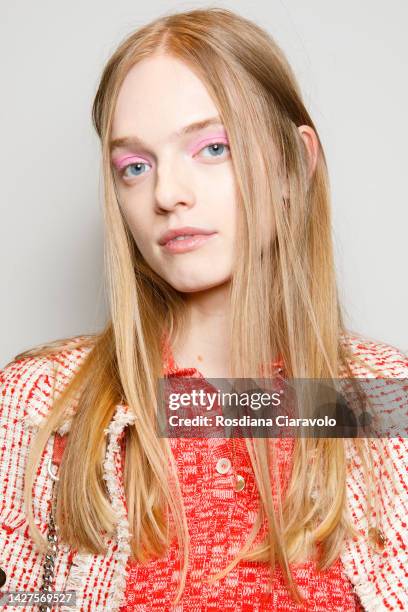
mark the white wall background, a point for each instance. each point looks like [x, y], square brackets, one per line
[351, 60]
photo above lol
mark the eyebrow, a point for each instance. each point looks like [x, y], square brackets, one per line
[129, 141]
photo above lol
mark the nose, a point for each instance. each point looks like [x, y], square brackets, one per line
[174, 185]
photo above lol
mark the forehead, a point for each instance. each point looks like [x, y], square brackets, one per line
[158, 96]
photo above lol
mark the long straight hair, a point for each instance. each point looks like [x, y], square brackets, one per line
[288, 292]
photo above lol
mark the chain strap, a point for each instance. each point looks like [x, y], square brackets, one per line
[52, 549]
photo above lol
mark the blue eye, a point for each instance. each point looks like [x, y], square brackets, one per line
[216, 148]
[136, 165]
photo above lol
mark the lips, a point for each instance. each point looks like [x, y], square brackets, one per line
[183, 231]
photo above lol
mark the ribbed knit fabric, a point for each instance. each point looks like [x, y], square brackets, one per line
[219, 520]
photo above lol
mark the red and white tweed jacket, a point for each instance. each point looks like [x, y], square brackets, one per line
[380, 577]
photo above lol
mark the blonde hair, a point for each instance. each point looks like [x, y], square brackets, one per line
[288, 293]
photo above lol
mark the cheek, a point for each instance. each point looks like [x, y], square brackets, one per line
[135, 210]
[220, 201]
[139, 225]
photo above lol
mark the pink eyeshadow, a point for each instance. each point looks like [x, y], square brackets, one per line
[199, 144]
[120, 162]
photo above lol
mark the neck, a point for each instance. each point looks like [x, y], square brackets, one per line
[205, 343]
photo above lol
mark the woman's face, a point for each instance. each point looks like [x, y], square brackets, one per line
[172, 174]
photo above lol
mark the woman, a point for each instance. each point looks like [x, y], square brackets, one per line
[203, 131]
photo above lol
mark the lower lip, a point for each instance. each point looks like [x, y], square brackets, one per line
[187, 244]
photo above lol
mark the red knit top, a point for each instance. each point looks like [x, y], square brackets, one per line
[219, 520]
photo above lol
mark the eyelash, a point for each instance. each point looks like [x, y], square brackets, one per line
[211, 144]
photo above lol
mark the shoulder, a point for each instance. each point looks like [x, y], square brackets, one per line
[32, 380]
[381, 371]
[369, 356]
[28, 386]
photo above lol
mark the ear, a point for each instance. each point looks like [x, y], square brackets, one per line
[312, 145]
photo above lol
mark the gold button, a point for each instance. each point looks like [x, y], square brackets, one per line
[239, 482]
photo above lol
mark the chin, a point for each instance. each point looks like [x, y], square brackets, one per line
[196, 287]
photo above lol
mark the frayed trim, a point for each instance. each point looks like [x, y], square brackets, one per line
[33, 419]
[122, 422]
[112, 470]
[77, 580]
[81, 567]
